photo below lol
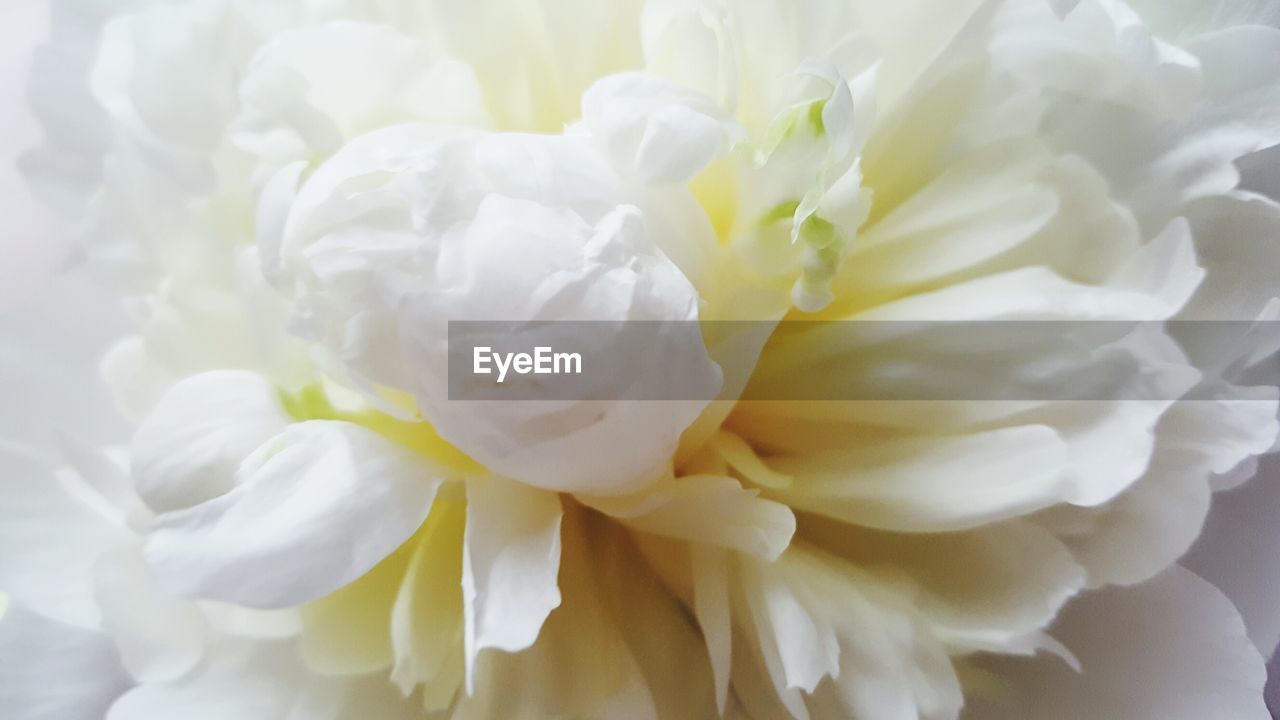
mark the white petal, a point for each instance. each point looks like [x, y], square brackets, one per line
[309, 89]
[52, 671]
[536, 65]
[240, 621]
[710, 570]
[1141, 532]
[509, 565]
[314, 508]
[677, 144]
[706, 509]
[662, 131]
[159, 637]
[53, 531]
[187, 450]
[1033, 293]
[1236, 240]
[1182, 18]
[1157, 165]
[976, 210]
[65, 171]
[987, 588]
[1172, 648]
[348, 632]
[426, 620]
[1109, 444]
[819, 621]
[504, 227]
[932, 484]
[680, 691]
[1237, 551]
[611, 603]
[262, 680]
[689, 43]
[800, 647]
[1237, 64]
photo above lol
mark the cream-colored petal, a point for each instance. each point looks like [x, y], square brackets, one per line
[313, 509]
[510, 562]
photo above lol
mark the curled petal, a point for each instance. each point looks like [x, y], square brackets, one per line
[188, 449]
[313, 509]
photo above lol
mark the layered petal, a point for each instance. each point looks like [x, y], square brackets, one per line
[262, 680]
[54, 519]
[1173, 647]
[510, 562]
[313, 509]
[159, 637]
[932, 484]
[53, 671]
[189, 447]
[706, 509]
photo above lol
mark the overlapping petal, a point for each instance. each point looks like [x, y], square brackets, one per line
[313, 509]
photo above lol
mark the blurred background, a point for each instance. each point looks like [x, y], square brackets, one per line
[32, 247]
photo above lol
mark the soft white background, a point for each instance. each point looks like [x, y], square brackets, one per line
[31, 247]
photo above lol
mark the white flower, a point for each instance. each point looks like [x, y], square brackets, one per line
[295, 520]
[408, 228]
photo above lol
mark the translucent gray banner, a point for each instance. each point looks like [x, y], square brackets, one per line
[859, 360]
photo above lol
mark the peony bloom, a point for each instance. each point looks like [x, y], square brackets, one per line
[238, 483]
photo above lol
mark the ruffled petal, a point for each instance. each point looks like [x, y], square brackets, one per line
[1236, 552]
[1172, 648]
[991, 588]
[313, 509]
[509, 566]
[852, 646]
[188, 449]
[656, 129]
[1153, 523]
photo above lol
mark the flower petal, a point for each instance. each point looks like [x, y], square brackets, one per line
[931, 483]
[710, 568]
[159, 637]
[262, 680]
[314, 508]
[1141, 532]
[706, 509]
[509, 565]
[663, 131]
[52, 671]
[187, 450]
[986, 589]
[55, 533]
[1172, 648]
[426, 620]
[852, 646]
[1237, 551]
[348, 632]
